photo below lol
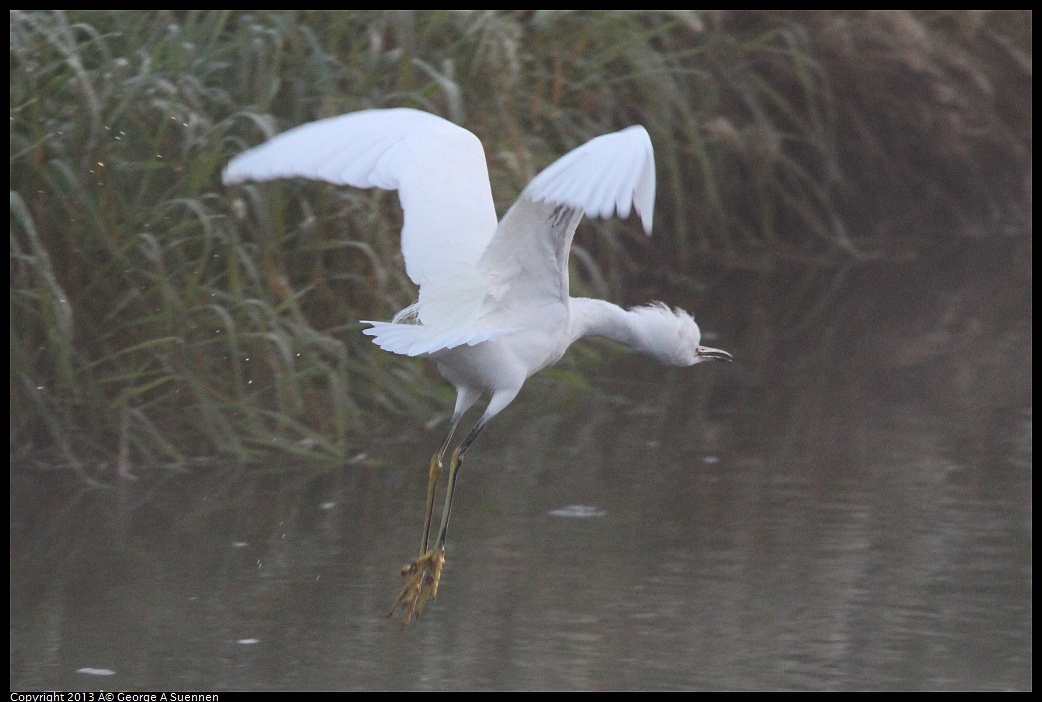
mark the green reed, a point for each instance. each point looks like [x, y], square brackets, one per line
[159, 319]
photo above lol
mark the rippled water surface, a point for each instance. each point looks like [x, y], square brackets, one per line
[847, 507]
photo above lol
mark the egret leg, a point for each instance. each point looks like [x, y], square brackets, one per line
[432, 482]
[426, 569]
[423, 575]
[454, 465]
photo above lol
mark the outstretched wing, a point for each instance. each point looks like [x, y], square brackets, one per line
[526, 263]
[605, 175]
[477, 282]
[437, 167]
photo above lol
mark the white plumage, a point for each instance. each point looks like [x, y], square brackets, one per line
[494, 306]
[464, 263]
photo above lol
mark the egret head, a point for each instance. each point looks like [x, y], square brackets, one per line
[672, 337]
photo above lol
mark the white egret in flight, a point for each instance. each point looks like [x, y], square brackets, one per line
[494, 306]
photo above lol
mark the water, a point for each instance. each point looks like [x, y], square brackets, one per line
[848, 507]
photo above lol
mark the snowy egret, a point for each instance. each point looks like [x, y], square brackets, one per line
[494, 306]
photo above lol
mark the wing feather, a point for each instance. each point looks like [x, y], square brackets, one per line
[526, 263]
[437, 167]
[477, 281]
[603, 176]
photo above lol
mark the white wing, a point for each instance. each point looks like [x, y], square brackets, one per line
[526, 263]
[477, 282]
[437, 168]
[605, 175]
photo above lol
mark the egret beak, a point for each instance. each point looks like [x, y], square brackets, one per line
[704, 353]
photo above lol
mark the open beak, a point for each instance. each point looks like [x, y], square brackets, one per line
[704, 353]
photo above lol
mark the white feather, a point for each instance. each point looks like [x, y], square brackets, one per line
[437, 168]
[478, 281]
[494, 306]
[603, 176]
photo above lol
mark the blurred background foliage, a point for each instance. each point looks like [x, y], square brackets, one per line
[159, 319]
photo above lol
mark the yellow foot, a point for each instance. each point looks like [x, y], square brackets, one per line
[421, 584]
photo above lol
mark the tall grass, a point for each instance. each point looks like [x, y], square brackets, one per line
[159, 319]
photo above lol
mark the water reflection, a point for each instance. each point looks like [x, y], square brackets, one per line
[847, 508]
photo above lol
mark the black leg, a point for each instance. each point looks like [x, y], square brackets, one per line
[454, 464]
